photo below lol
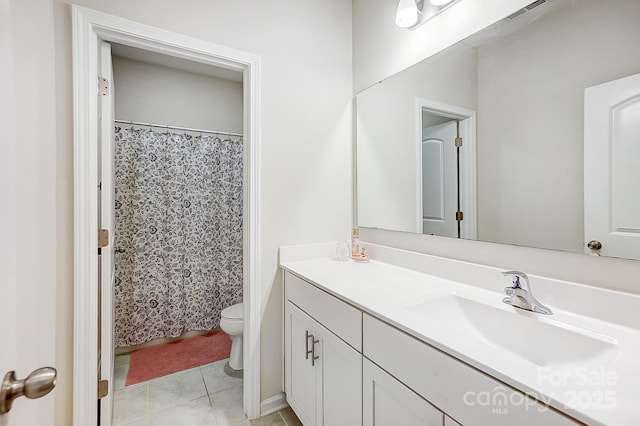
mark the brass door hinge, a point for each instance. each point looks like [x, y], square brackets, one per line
[103, 238]
[459, 216]
[458, 142]
[103, 388]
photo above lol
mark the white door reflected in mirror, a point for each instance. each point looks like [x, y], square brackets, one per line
[611, 172]
[439, 180]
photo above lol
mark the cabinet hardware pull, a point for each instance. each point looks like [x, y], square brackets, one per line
[313, 351]
[306, 344]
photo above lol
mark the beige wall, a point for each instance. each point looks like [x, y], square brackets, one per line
[306, 84]
[380, 50]
[162, 95]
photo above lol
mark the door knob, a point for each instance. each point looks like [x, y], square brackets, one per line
[594, 245]
[37, 384]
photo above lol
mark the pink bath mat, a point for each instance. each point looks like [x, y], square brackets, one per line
[158, 361]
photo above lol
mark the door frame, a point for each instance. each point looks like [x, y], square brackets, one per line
[467, 118]
[106, 265]
[90, 27]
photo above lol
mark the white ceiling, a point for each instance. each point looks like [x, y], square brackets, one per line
[141, 55]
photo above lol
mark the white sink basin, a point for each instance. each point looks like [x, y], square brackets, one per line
[534, 337]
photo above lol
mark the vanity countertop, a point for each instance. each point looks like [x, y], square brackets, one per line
[603, 390]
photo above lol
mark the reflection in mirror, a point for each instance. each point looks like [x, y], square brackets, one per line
[445, 171]
[548, 111]
[440, 171]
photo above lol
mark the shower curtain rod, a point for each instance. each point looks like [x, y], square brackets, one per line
[186, 129]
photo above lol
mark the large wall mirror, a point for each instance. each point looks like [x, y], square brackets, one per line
[526, 133]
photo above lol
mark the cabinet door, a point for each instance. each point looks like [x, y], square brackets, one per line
[300, 374]
[340, 369]
[386, 401]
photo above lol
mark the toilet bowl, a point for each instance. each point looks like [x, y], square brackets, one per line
[232, 323]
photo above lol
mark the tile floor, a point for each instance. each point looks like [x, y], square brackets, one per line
[210, 395]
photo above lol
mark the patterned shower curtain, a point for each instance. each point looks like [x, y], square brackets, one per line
[178, 235]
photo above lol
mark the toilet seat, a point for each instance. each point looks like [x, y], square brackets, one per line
[235, 312]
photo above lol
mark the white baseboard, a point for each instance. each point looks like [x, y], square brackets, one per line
[273, 404]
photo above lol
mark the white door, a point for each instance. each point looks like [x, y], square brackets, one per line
[612, 168]
[27, 313]
[8, 279]
[106, 220]
[340, 369]
[301, 377]
[386, 401]
[8, 287]
[440, 180]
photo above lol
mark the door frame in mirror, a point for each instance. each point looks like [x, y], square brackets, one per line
[468, 191]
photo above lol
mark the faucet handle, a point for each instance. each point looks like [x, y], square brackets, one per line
[516, 278]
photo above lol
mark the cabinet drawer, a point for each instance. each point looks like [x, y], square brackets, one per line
[464, 393]
[342, 319]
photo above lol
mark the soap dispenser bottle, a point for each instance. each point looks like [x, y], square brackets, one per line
[355, 243]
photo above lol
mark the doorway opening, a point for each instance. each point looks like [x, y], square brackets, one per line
[91, 117]
[176, 195]
[445, 170]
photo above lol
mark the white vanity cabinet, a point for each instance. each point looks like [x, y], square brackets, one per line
[387, 402]
[462, 392]
[344, 367]
[323, 359]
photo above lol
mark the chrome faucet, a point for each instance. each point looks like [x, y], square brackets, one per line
[519, 294]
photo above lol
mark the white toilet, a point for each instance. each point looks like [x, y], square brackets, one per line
[232, 323]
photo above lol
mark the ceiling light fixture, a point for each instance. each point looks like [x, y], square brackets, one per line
[440, 2]
[413, 13]
[408, 13]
